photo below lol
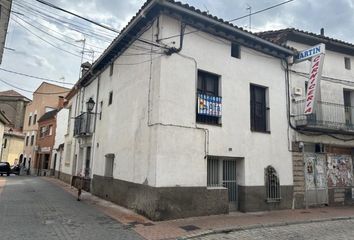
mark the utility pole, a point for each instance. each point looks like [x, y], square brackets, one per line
[249, 8]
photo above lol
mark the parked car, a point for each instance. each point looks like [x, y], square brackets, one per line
[5, 168]
[15, 169]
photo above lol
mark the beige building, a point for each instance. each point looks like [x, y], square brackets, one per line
[3, 122]
[5, 8]
[12, 149]
[45, 99]
[13, 105]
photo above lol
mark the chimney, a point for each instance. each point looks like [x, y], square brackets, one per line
[322, 31]
[60, 102]
[85, 67]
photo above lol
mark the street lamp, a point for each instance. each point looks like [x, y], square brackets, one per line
[90, 105]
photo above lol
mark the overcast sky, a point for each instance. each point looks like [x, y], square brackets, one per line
[33, 55]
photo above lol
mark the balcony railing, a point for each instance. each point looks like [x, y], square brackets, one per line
[327, 117]
[83, 124]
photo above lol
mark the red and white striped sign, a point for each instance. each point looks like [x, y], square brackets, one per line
[314, 82]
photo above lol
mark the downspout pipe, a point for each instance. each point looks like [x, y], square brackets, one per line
[172, 50]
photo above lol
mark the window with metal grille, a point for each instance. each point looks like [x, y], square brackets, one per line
[213, 172]
[222, 173]
[259, 109]
[272, 185]
[208, 84]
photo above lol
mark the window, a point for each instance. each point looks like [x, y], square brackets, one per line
[50, 130]
[109, 165]
[45, 131]
[259, 109]
[111, 68]
[208, 85]
[222, 173]
[101, 109]
[272, 185]
[347, 63]
[110, 98]
[5, 142]
[32, 140]
[27, 139]
[29, 120]
[34, 119]
[235, 50]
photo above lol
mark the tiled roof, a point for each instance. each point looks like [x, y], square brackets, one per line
[279, 36]
[48, 115]
[11, 93]
[109, 53]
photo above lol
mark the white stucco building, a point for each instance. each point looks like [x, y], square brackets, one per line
[58, 165]
[183, 115]
[322, 141]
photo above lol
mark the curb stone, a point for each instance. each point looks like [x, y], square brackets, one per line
[255, 226]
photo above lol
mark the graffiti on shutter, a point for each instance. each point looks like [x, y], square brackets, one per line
[339, 173]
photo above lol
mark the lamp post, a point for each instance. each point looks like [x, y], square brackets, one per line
[90, 104]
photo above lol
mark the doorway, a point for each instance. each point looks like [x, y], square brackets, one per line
[316, 190]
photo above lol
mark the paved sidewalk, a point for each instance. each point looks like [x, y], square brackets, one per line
[34, 209]
[199, 226]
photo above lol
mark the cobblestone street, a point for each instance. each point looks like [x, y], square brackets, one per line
[340, 229]
[32, 208]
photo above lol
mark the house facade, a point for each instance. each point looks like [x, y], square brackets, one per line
[13, 143]
[196, 125]
[13, 105]
[45, 99]
[45, 143]
[3, 122]
[59, 164]
[322, 141]
[5, 7]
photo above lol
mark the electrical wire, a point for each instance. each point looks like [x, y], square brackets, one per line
[78, 16]
[31, 76]
[25, 90]
[44, 40]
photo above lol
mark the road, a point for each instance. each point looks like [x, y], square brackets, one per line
[338, 230]
[33, 208]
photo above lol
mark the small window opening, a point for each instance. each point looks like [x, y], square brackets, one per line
[5, 142]
[111, 68]
[272, 185]
[34, 119]
[110, 99]
[347, 63]
[235, 50]
[101, 109]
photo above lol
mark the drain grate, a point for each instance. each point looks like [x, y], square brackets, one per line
[189, 228]
[148, 224]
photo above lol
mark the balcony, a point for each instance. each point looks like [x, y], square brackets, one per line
[327, 117]
[84, 124]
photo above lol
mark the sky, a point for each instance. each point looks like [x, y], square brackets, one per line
[47, 43]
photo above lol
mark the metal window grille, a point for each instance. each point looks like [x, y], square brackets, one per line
[272, 185]
[213, 172]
